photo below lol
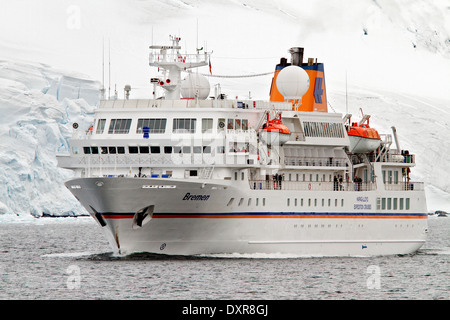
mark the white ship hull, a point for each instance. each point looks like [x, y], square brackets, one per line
[197, 219]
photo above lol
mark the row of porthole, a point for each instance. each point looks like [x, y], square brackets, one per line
[249, 202]
[316, 203]
[317, 226]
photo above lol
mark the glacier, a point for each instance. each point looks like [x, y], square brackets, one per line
[389, 57]
[38, 106]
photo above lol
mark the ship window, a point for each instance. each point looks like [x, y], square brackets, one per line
[100, 126]
[389, 176]
[184, 125]
[220, 149]
[155, 149]
[133, 150]
[104, 150]
[176, 149]
[119, 126]
[167, 149]
[144, 149]
[389, 203]
[309, 202]
[407, 203]
[154, 125]
[240, 201]
[192, 173]
[249, 202]
[295, 202]
[197, 149]
[394, 203]
[257, 201]
[237, 124]
[186, 149]
[87, 150]
[383, 203]
[288, 202]
[301, 202]
[112, 150]
[323, 202]
[242, 175]
[207, 125]
[94, 150]
[315, 202]
[329, 202]
[239, 146]
[230, 202]
[121, 150]
[342, 202]
[244, 124]
[206, 149]
[400, 202]
[230, 124]
[395, 176]
[323, 129]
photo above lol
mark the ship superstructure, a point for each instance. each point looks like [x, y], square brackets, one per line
[188, 173]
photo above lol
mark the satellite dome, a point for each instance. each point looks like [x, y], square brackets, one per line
[194, 82]
[292, 82]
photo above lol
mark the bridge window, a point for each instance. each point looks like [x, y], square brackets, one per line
[154, 125]
[100, 126]
[119, 126]
[207, 124]
[184, 125]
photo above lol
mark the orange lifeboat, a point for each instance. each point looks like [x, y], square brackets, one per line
[363, 138]
[274, 132]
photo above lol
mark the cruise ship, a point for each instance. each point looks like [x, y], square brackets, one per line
[192, 172]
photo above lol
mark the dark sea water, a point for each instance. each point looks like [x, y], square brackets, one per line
[69, 259]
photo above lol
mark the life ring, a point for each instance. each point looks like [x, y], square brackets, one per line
[309, 186]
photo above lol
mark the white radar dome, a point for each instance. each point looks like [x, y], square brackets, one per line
[194, 82]
[293, 82]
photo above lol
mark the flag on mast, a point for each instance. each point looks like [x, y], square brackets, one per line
[210, 66]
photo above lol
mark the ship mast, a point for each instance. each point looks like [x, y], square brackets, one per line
[173, 62]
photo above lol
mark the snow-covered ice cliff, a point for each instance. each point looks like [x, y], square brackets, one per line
[38, 105]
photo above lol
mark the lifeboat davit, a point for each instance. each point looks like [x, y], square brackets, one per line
[274, 132]
[363, 138]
